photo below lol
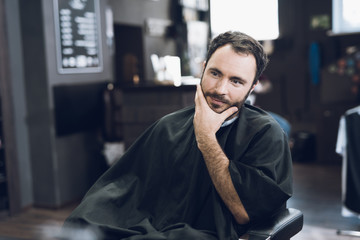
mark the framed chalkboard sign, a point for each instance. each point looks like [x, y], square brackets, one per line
[78, 36]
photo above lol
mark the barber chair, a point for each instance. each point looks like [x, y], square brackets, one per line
[283, 225]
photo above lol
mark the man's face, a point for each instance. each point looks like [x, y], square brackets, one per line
[228, 78]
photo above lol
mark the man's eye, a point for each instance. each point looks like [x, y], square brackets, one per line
[235, 81]
[214, 73]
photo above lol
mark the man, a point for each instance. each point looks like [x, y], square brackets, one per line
[204, 172]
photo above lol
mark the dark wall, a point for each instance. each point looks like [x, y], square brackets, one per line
[294, 95]
[62, 140]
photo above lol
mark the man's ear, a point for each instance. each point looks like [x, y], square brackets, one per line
[254, 85]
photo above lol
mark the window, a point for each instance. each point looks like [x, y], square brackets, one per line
[258, 18]
[346, 16]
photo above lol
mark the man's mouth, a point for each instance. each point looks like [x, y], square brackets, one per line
[217, 101]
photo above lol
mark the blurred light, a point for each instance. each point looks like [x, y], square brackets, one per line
[257, 18]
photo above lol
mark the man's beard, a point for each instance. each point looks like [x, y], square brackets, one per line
[222, 98]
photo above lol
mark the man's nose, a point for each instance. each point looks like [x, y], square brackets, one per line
[221, 86]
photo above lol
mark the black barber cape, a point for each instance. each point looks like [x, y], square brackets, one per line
[161, 189]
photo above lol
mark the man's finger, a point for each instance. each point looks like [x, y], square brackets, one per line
[199, 92]
[229, 112]
[199, 96]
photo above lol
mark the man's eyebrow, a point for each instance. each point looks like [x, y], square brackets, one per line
[215, 69]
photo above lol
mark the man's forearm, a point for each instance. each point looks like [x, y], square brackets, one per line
[218, 167]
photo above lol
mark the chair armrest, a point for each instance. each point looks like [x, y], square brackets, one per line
[283, 225]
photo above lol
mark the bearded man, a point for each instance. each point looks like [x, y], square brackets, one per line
[208, 171]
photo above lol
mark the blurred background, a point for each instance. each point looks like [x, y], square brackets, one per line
[80, 80]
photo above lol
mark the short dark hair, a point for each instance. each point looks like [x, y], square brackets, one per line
[241, 43]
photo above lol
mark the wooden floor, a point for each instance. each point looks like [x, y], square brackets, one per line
[317, 193]
[34, 224]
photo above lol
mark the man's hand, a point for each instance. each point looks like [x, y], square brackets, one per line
[206, 121]
[206, 124]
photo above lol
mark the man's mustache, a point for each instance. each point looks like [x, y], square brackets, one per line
[218, 97]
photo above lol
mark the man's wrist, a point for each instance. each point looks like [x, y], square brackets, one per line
[205, 142]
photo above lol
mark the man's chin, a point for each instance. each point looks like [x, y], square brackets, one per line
[220, 109]
[217, 108]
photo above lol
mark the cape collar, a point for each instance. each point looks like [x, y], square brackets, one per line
[230, 121]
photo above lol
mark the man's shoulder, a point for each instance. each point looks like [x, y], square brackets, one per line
[252, 113]
[182, 114]
[177, 119]
[257, 119]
